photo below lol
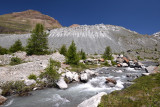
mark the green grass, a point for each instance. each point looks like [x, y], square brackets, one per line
[144, 93]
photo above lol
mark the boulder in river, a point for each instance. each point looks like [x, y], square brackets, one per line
[108, 80]
[124, 65]
[61, 83]
[83, 77]
[93, 101]
[150, 69]
[2, 100]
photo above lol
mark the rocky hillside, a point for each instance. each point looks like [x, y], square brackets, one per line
[92, 38]
[157, 35]
[24, 22]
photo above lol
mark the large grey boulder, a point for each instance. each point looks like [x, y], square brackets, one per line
[150, 69]
[84, 77]
[93, 101]
[61, 83]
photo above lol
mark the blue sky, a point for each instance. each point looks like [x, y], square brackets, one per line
[142, 16]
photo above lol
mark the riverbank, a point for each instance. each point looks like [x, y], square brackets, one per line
[144, 92]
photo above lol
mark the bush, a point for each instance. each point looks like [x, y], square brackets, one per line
[51, 73]
[113, 62]
[17, 46]
[3, 51]
[63, 50]
[15, 61]
[17, 87]
[32, 76]
[106, 63]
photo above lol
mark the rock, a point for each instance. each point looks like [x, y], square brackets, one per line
[150, 69]
[89, 72]
[69, 75]
[2, 100]
[119, 60]
[125, 60]
[131, 64]
[119, 65]
[110, 84]
[29, 82]
[145, 74]
[109, 62]
[93, 101]
[61, 83]
[124, 65]
[75, 76]
[111, 80]
[61, 71]
[83, 77]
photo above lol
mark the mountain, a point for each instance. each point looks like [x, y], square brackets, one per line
[92, 38]
[157, 35]
[24, 22]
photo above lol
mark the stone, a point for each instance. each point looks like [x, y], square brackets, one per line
[124, 65]
[29, 82]
[2, 99]
[75, 76]
[93, 101]
[119, 65]
[150, 69]
[119, 60]
[61, 83]
[125, 60]
[111, 80]
[83, 77]
[145, 74]
[109, 62]
[69, 75]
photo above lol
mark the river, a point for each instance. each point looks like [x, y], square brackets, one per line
[77, 92]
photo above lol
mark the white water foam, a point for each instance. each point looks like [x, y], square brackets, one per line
[9, 103]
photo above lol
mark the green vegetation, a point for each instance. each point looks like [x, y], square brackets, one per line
[72, 56]
[51, 73]
[113, 63]
[38, 43]
[139, 58]
[32, 76]
[15, 61]
[3, 51]
[17, 87]
[106, 63]
[107, 53]
[82, 55]
[63, 50]
[17, 46]
[144, 93]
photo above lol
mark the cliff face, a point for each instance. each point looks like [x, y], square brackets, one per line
[24, 22]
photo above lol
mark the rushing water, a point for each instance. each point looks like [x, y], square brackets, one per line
[77, 92]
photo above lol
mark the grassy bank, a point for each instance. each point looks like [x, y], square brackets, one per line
[144, 93]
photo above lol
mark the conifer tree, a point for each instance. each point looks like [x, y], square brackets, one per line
[82, 54]
[107, 53]
[17, 46]
[72, 56]
[38, 43]
[63, 50]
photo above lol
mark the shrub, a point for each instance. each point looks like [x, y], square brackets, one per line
[17, 46]
[32, 76]
[15, 61]
[106, 63]
[63, 50]
[51, 73]
[17, 87]
[113, 62]
[3, 51]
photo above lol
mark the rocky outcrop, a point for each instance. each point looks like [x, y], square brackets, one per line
[109, 80]
[2, 100]
[93, 101]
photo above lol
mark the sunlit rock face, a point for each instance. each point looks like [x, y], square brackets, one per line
[91, 38]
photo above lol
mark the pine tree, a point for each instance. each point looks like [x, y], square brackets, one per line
[38, 43]
[63, 50]
[107, 53]
[82, 54]
[17, 46]
[72, 56]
